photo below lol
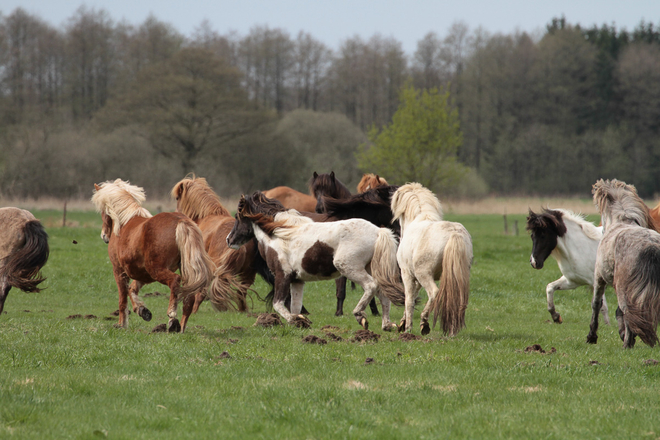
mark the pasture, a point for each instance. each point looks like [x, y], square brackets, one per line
[79, 377]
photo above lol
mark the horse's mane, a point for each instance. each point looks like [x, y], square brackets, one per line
[413, 201]
[330, 182]
[555, 218]
[618, 202]
[372, 198]
[261, 210]
[197, 200]
[121, 201]
[370, 181]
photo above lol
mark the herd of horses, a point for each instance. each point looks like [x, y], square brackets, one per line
[391, 240]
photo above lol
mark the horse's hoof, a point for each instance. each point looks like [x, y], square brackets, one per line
[364, 323]
[118, 326]
[339, 313]
[390, 327]
[425, 328]
[173, 326]
[592, 339]
[558, 319]
[402, 325]
[144, 313]
[301, 321]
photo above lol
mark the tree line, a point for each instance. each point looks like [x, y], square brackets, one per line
[98, 99]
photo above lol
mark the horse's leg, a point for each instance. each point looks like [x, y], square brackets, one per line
[199, 298]
[4, 291]
[188, 305]
[369, 286]
[604, 312]
[173, 281]
[138, 304]
[596, 304]
[341, 295]
[297, 288]
[374, 307]
[428, 283]
[411, 287]
[561, 284]
[622, 325]
[385, 303]
[282, 293]
[625, 333]
[122, 285]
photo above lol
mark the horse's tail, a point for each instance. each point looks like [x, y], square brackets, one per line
[21, 269]
[454, 287]
[385, 269]
[642, 296]
[227, 290]
[196, 265]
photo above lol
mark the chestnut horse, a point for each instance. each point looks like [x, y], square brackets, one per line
[148, 248]
[23, 252]
[370, 181]
[236, 269]
[292, 199]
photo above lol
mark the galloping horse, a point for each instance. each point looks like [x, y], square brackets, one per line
[300, 250]
[432, 249]
[147, 249]
[23, 252]
[292, 199]
[236, 269]
[370, 181]
[573, 242]
[628, 258]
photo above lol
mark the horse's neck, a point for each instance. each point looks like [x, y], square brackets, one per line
[575, 246]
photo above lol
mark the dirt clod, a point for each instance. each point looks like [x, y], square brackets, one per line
[76, 316]
[311, 339]
[160, 328]
[224, 355]
[329, 327]
[301, 322]
[368, 361]
[409, 337]
[594, 363]
[268, 320]
[90, 316]
[365, 335]
[536, 348]
[334, 337]
[651, 362]
[236, 327]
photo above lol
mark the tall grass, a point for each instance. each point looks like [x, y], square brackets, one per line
[83, 378]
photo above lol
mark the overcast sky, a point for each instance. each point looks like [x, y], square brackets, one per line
[332, 21]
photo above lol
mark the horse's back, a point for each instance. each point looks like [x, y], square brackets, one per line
[292, 199]
[12, 225]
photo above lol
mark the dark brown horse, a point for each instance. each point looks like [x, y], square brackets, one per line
[326, 185]
[292, 199]
[23, 252]
[147, 249]
[236, 269]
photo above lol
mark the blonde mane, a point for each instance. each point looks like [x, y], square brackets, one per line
[196, 199]
[589, 229]
[370, 181]
[618, 202]
[412, 201]
[121, 201]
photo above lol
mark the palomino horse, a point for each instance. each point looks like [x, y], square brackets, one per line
[432, 249]
[23, 252]
[236, 269]
[147, 249]
[292, 199]
[629, 259]
[370, 181]
[573, 242]
[300, 250]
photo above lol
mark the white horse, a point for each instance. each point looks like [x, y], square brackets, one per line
[628, 257]
[297, 250]
[573, 242]
[432, 249]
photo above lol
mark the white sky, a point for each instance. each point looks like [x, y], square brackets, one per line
[332, 21]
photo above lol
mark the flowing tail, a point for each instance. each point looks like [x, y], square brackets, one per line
[385, 269]
[454, 288]
[642, 296]
[196, 266]
[22, 268]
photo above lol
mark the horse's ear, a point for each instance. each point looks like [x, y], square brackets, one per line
[96, 187]
[179, 191]
[315, 175]
[332, 175]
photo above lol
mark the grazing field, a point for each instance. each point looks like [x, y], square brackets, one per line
[68, 376]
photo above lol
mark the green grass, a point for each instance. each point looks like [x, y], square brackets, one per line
[82, 378]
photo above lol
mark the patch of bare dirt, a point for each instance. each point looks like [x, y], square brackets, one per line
[76, 316]
[536, 348]
[409, 337]
[365, 335]
[90, 316]
[160, 328]
[268, 320]
[224, 355]
[334, 337]
[311, 339]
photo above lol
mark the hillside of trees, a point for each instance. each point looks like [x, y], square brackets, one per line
[97, 99]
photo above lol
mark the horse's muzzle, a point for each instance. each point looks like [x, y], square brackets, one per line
[535, 264]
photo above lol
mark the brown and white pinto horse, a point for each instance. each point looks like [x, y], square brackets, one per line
[370, 181]
[23, 252]
[299, 250]
[148, 248]
[292, 199]
[236, 269]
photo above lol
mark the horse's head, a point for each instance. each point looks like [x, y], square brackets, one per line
[326, 185]
[545, 229]
[106, 228]
[242, 232]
